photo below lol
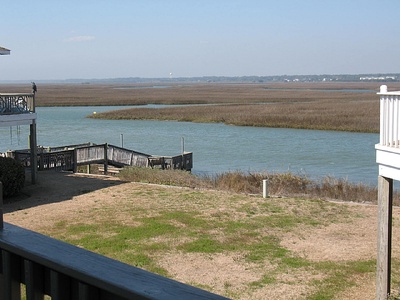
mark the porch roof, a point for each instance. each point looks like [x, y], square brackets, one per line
[4, 51]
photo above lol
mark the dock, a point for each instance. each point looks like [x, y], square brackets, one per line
[70, 157]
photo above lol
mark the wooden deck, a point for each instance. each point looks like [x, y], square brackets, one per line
[69, 158]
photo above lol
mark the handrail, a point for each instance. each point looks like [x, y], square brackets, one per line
[50, 267]
[17, 103]
[69, 157]
[389, 118]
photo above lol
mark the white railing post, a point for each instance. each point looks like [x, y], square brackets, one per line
[389, 118]
[391, 121]
[395, 121]
[382, 121]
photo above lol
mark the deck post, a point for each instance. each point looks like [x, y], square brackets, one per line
[33, 146]
[105, 159]
[1, 206]
[74, 161]
[383, 272]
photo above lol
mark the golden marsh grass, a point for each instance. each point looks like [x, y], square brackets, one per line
[326, 106]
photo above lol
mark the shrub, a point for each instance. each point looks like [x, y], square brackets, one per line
[12, 175]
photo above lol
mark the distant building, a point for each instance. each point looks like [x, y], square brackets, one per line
[378, 78]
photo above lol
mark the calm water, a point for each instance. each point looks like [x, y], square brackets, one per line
[216, 147]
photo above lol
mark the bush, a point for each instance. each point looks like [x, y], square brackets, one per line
[12, 175]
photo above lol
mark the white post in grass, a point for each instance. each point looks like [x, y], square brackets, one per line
[265, 188]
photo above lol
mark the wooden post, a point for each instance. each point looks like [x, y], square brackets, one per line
[1, 206]
[75, 161]
[10, 276]
[41, 162]
[183, 164]
[105, 159]
[385, 201]
[33, 147]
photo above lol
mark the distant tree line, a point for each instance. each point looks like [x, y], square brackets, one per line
[382, 77]
[389, 77]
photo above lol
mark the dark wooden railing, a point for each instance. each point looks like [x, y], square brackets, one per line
[45, 266]
[13, 103]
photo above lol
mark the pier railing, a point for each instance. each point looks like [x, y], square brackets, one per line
[68, 158]
[13, 103]
[389, 118]
[40, 265]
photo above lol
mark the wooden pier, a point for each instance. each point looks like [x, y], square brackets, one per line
[69, 158]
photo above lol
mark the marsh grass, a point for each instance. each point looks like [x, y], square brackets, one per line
[325, 106]
[314, 115]
[279, 184]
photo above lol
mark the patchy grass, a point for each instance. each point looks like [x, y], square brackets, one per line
[163, 221]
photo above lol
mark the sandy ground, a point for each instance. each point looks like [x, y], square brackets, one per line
[57, 194]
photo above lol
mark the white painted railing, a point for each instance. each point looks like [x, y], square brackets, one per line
[389, 118]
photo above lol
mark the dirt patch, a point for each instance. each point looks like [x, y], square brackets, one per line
[55, 194]
[218, 271]
[338, 242]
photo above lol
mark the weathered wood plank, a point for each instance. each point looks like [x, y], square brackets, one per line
[68, 159]
[385, 207]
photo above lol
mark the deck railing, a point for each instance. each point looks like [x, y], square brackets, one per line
[120, 157]
[40, 265]
[389, 118]
[68, 158]
[13, 103]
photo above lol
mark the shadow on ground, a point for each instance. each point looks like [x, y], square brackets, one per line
[53, 186]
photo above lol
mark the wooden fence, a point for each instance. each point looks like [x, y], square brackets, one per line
[68, 158]
[45, 266]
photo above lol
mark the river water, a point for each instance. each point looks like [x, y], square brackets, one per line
[216, 147]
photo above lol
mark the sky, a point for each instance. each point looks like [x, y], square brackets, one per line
[96, 39]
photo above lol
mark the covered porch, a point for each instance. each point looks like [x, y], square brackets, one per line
[19, 109]
[16, 110]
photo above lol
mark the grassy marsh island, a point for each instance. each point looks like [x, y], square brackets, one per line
[344, 106]
[324, 106]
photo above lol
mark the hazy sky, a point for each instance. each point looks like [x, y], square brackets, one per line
[154, 38]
